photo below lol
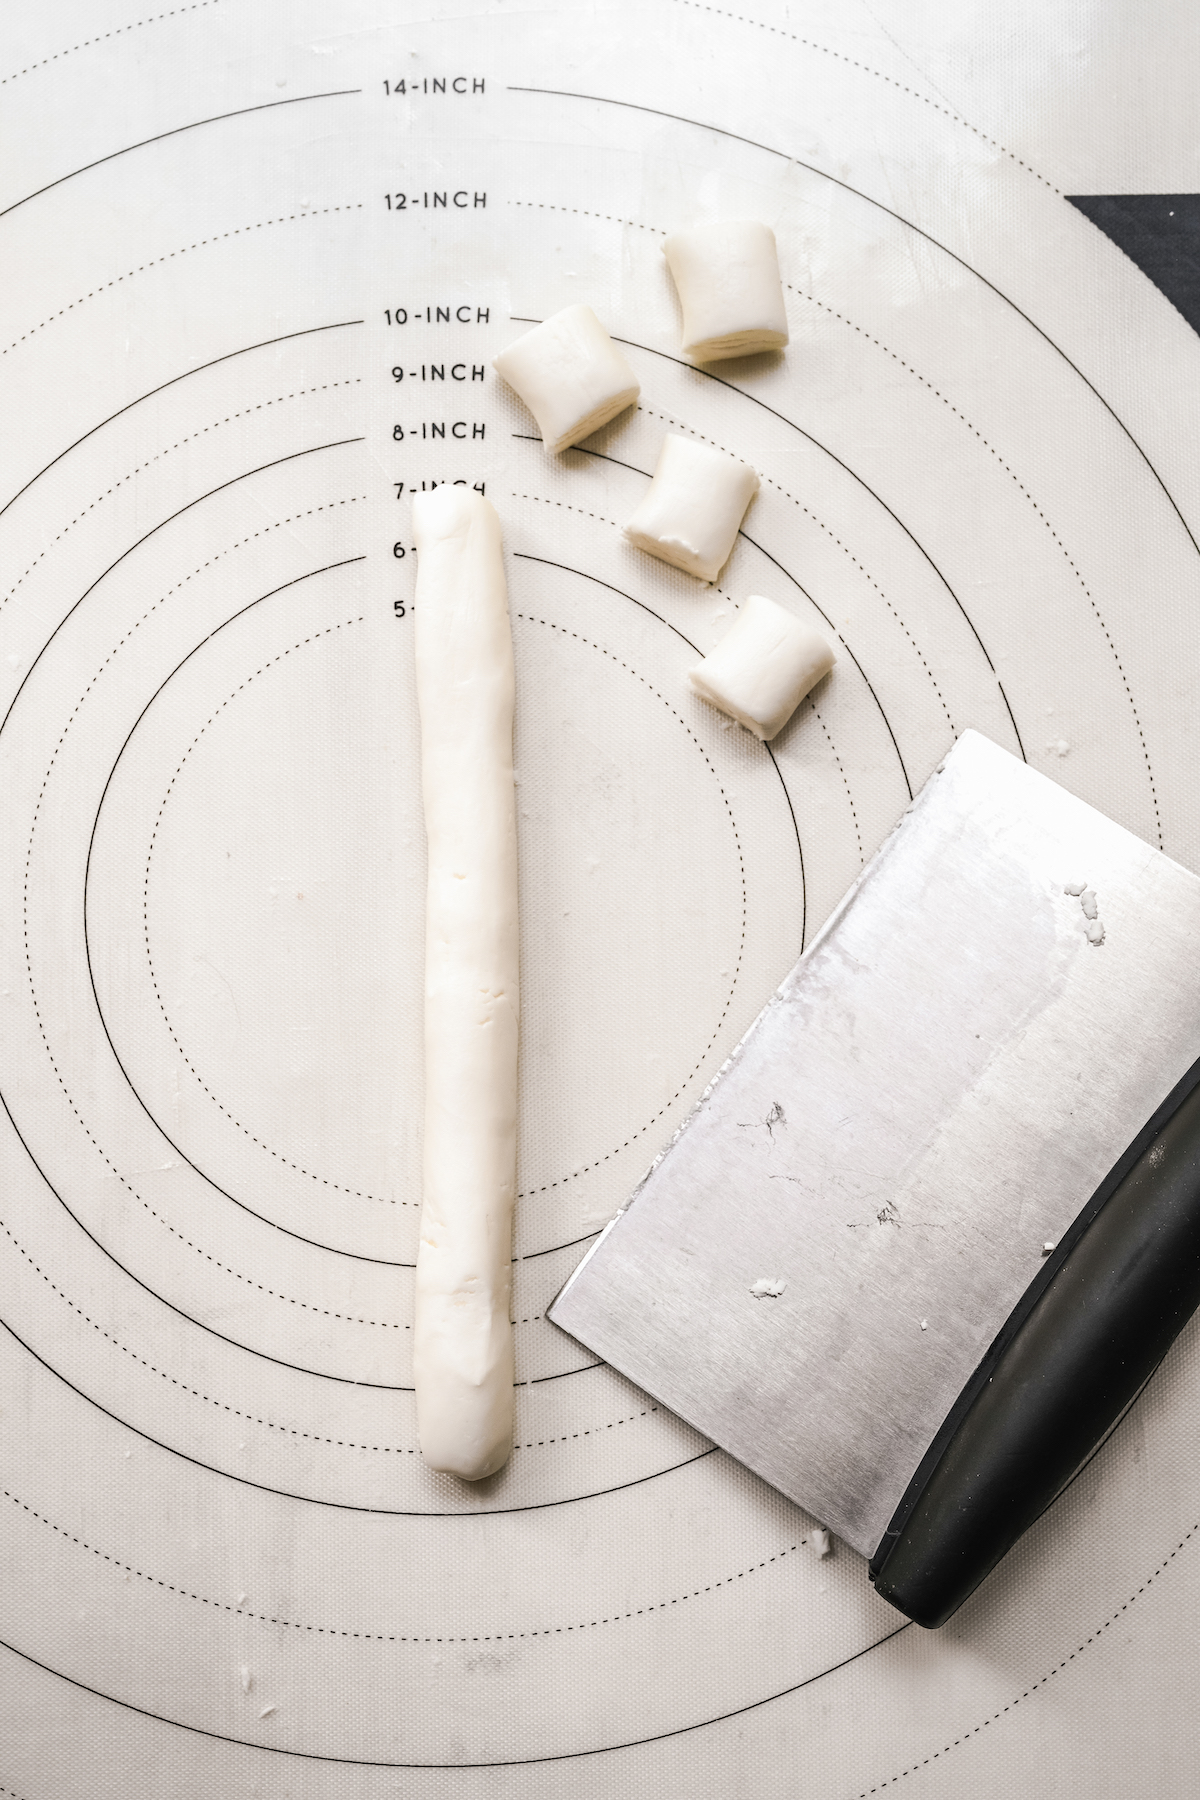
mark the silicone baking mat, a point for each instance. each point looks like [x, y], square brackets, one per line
[258, 255]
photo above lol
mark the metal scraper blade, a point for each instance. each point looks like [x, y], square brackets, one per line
[929, 1099]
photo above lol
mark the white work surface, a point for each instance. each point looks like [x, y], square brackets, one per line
[225, 1569]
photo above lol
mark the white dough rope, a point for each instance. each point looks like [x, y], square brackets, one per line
[462, 1332]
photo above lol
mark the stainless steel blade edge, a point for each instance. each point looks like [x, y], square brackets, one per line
[933, 1093]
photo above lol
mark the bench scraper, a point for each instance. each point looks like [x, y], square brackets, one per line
[964, 1135]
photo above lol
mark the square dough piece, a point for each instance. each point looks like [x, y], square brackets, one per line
[690, 513]
[570, 375]
[763, 667]
[727, 274]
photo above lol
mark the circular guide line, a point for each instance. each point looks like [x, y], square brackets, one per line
[386, 1262]
[824, 175]
[536, 1507]
[291, 1430]
[812, 169]
[548, 1249]
[309, 331]
[217, 119]
[117, 31]
[297, 1368]
[631, 1743]
[315, 212]
[147, 1714]
[782, 417]
[869, 336]
[160, 456]
[387, 1512]
[315, 1243]
[612, 656]
[879, 501]
[531, 1255]
[878, 74]
[512, 1762]
[828, 530]
[293, 456]
[281, 1362]
[585, 576]
[755, 545]
[393, 1637]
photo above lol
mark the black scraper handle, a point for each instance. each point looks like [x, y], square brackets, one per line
[1084, 1339]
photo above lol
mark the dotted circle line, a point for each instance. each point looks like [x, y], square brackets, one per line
[175, 12]
[651, 413]
[925, 382]
[310, 1174]
[1013, 476]
[779, 488]
[844, 548]
[220, 237]
[226, 1406]
[1044, 1680]
[878, 74]
[642, 1130]
[184, 1387]
[261, 406]
[393, 1637]
[206, 1255]
[845, 781]
[582, 212]
[570, 1437]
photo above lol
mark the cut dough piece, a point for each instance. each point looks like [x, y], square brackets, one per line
[763, 667]
[570, 375]
[727, 274]
[462, 1334]
[690, 513]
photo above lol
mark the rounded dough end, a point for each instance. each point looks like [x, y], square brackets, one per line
[462, 1365]
[447, 511]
